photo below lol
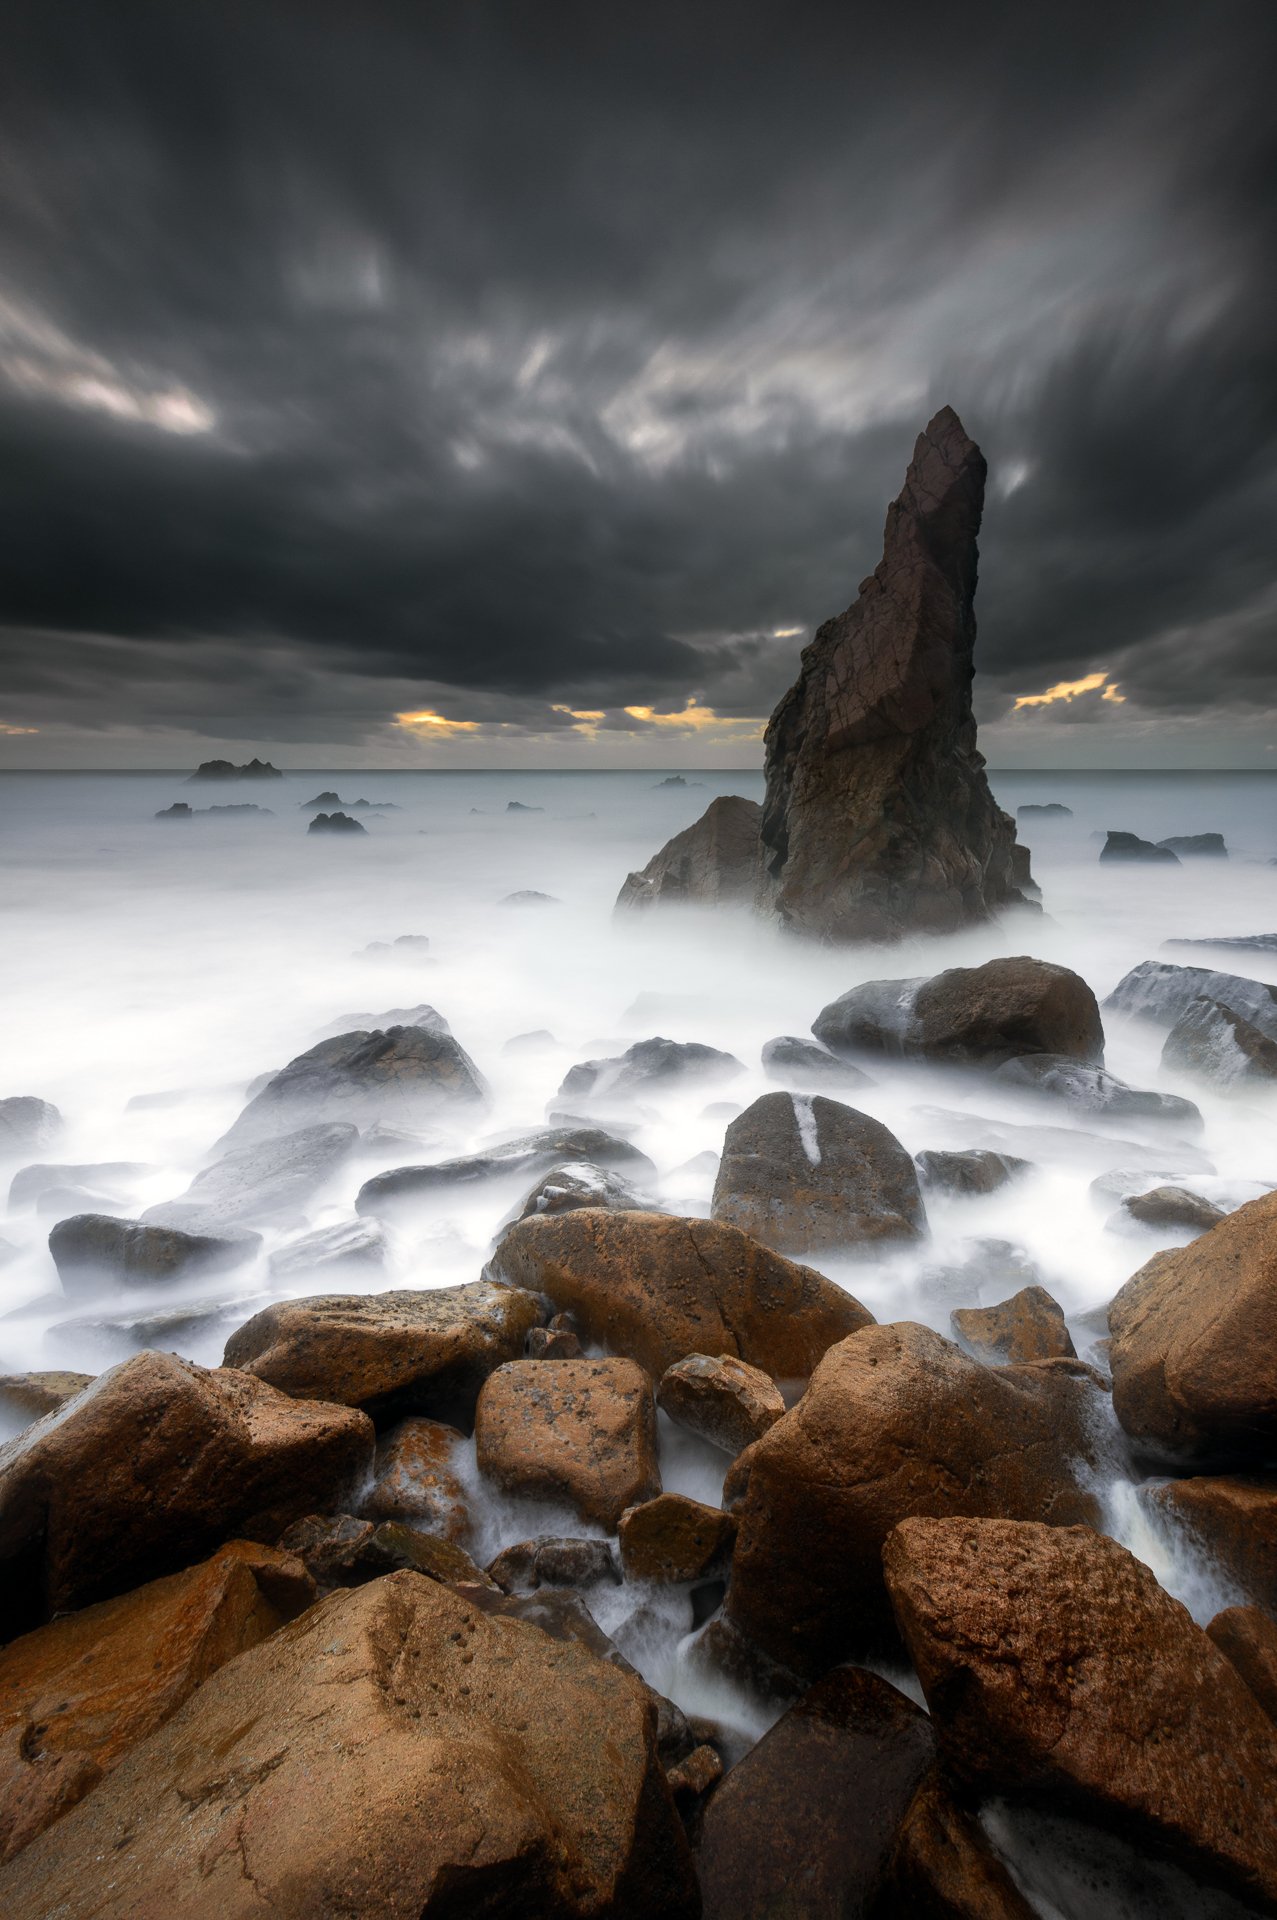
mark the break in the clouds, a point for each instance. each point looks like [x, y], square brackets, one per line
[491, 382]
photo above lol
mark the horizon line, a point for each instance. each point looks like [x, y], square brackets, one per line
[188, 773]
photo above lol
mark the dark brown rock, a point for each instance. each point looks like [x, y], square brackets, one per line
[722, 1399]
[806, 1067]
[976, 1172]
[1028, 1326]
[943, 1868]
[1248, 1639]
[1056, 1669]
[658, 1287]
[1121, 846]
[1234, 1518]
[715, 862]
[1172, 1207]
[394, 1752]
[414, 1480]
[675, 1539]
[31, 1395]
[341, 1550]
[550, 1562]
[895, 1421]
[581, 1431]
[803, 1173]
[91, 1251]
[970, 1016]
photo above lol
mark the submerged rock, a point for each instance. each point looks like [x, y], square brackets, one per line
[582, 1432]
[803, 1064]
[1160, 992]
[1028, 1326]
[1239, 943]
[530, 1153]
[715, 862]
[1129, 846]
[721, 1399]
[975, 1016]
[27, 1124]
[1212, 1043]
[398, 1076]
[647, 1064]
[974, 1172]
[29, 1183]
[1172, 1207]
[93, 1249]
[360, 1244]
[1095, 1090]
[260, 1184]
[227, 770]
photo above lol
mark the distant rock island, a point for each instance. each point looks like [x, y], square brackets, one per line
[227, 770]
[335, 823]
[182, 810]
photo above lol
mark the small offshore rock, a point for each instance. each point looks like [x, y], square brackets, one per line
[1028, 1326]
[715, 862]
[648, 1063]
[974, 1172]
[721, 1399]
[1129, 846]
[1044, 810]
[335, 823]
[1159, 991]
[1196, 846]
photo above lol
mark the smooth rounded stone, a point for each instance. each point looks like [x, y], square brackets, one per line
[975, 1172]
[1212, 1043]
[1247, 1638]
[582, 1432]
[335, 823]
[1028, 1326]
[1159, 992]
[399, 1077]
[29, 1183]
[976, 1016]
[1194, 1344]
[804, 1064]
[550, 1562]
[721, 1399]
[359, 1244]
[1057, 1669]
[1172, 1207]
[579, 1184]
[27, 1124]
[414, 1480]
[1196, 846]
[646, 1065]
[714, 862]
[1129, 846]
[531, 1153]
[1044, 810]
[1094, 1090]
[393, 1353]
[674, 1539]
[260, 1185]
[807, 1822]
[395, 1751]
[343, 1550]
[943, 1867]
[658, 1287]
[895, 1421]
[802, 1173]
[78, 1694]
[32, 1395]
[1233, 1518]
[95, 1250]
[152, 1466]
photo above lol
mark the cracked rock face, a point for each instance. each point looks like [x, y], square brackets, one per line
[878, 819]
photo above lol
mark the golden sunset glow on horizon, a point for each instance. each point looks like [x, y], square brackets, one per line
[433, 726]
[1067, 690]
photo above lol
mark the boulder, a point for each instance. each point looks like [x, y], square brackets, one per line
[579, 1432]
[357, 1244]
[1173, 1207]
[580, 1184]
[395, 1751]
[1194, 1344]
[29, 1183]
[32, 1395]
[807, 1822]
[672, 1538]
[91, 1250]
[1028, 1326]
[1129, 846]
[802, 1173]
[1196, 846]
[975, 1172]
[659, 1287]
[802, 1064]
[648, 1064]
[341, 1550]
[1248, 1638]
[400, 1077]
[895, 1421]
[1056, 1669]
[27, 1124]
[335, 823]
[77, 1694]
[721, 1399]
[393, 1353]
[1159, 992]
[415, 1480]
[714, 862]
[150, 1468]
[878, 819]
[1212, 1043]
[976, 1016]
[260, 1185]
[550, 1562]
[532, 1153]
[1233, 1519]
[943, 1868]
[1093, 1090]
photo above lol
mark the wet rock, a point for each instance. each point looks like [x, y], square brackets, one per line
[1056, 1668]
[1248, 1640]
[1160, 992]
[1194, 1344]
[357, 1244]
[116, 1336]
[150, 1468]
[78, 1694]
[721, 1399]
[715, 862]
[692, 1780]
[1196, 846]
[1129, 846]
[27, 1124]
[672, 1538]
[975, 1172]
[1212, 1043]
[29, 1183]
[1172, 1207]
[648, 1064]
[91, 1250]
[988, 1267]
[341, 1550]
[970, 1015]
[658, 1287]
[581, 1432]
[1233, 1519]
[1049, 810]
[895, 1421]
[1028, 1326]
[335, 823]
[400, 1077]
[393, 1353]
[550, 1562]
[261, 1184]
[878, 819]
[802, 1172]
[552, 1343]
[414, 1480]
[32, 1395]
[531, 1153]
[580, 1184]
[807, 1822]
[943, 1868]
[1093, 1090]
[394, 1751]
[802, 1064]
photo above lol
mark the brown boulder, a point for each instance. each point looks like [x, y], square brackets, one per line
[77, 1694]
[943, 1868]
[394, 1754]
[806, 1823]
[970, 1016]
[803, 1173]
[553, 1562]
[577, 1431]
[391, 1353]
[340, 1550]
[1194, 1343]
[414, 1480]
[658, 1287]
[1057, 1670]
[676, 1539]
[1172, 1207]
[714, 862]
[1234, 1518]
[1028, 1326]
[29, 1396]
[153, 1466]
[1248, 1638]
[724, 1400]
[896, 1421]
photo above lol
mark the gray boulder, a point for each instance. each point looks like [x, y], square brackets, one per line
[93, 1248]
[804, 1064]
[1196, 846]
[1129, 846]
[976, 1172]
[43, 1176]
[1093, 1090]
[648, 1063]
[399, 1076]
[1159, 991]
[1212, 1043]
[261, 1184]
[531, 1153]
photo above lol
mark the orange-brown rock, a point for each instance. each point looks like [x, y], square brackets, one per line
[657, 1288]
[1234, 1517]
[1194, 1344]
[390, 1353]
[673, 1538]
[896, 1421]
[579, 1432]
[414, 1479]
[394, 1753]
[724, 1400]
[77, 1694]
[151, 1467]
[1248, 1638]
[1057, 1670]
[943, 1868]
[1028, 1326]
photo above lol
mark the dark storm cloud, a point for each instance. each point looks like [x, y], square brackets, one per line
[504, 359]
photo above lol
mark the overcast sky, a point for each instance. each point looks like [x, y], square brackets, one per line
[459, 384]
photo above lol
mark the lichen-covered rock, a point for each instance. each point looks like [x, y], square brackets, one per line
[721, 1399]
[970, 1016]
[1028, 1326]
[580, 1432]
[714, 862]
